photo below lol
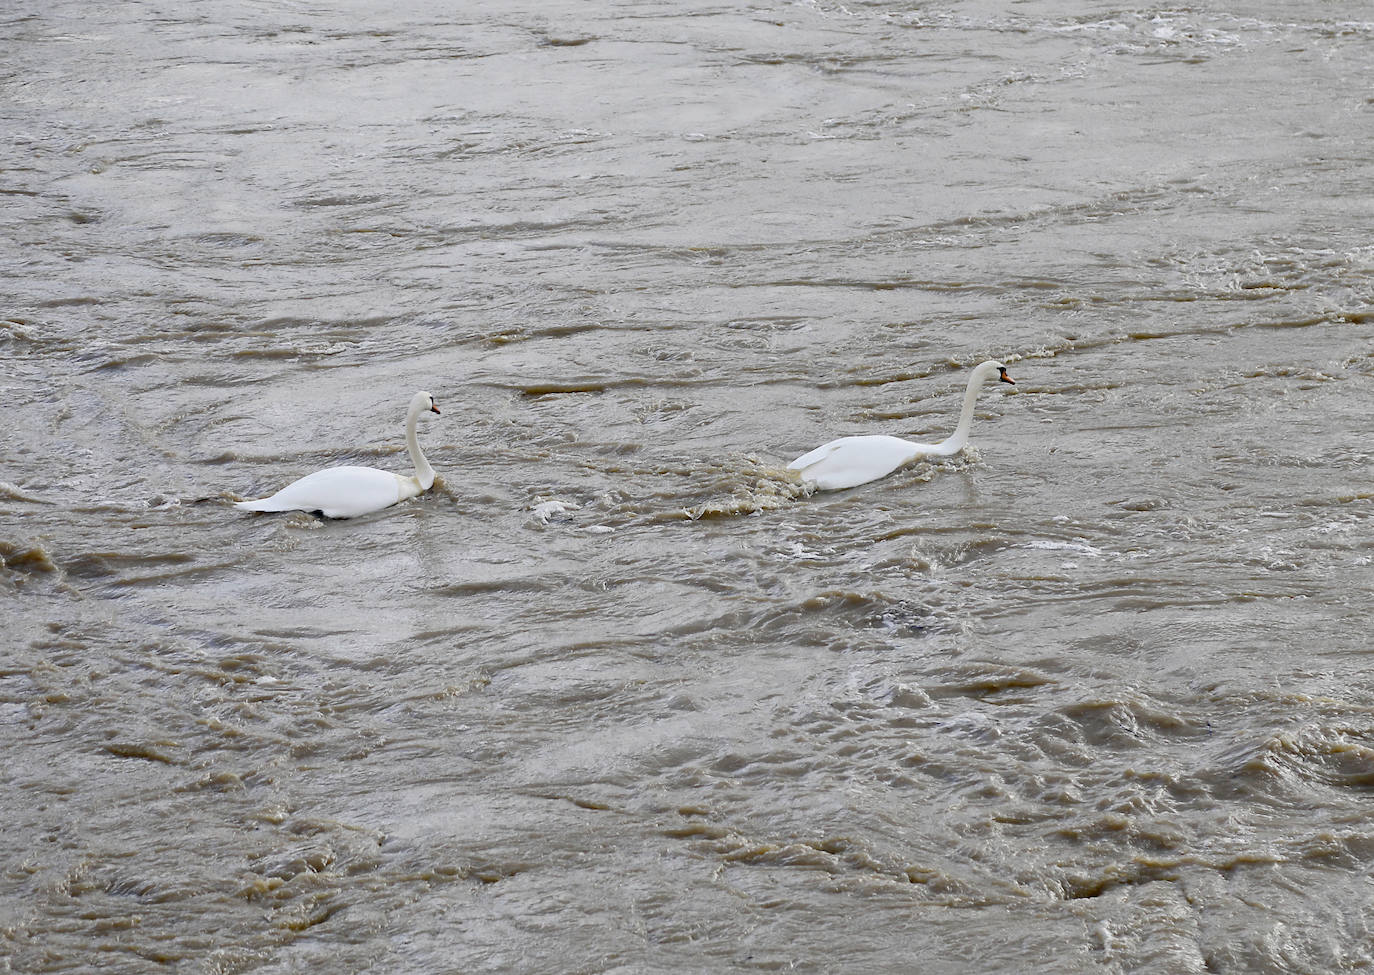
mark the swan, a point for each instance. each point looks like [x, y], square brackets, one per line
[851, 461]
[347, 492]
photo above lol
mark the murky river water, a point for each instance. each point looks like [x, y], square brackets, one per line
[1097, 695]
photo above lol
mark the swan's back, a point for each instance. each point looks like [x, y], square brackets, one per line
[338, 492]
[851, 461]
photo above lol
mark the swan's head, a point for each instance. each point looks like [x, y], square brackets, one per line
[986, 369]
[422, 402]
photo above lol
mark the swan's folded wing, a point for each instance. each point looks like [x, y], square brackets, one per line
[851, 461]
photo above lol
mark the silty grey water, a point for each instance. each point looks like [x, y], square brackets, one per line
[618, 695]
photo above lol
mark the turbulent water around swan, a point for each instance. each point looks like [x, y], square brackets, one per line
[619, 694]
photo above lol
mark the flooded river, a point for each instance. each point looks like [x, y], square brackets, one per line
[621, 694]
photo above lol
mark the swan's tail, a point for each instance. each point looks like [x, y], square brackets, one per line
[262, 504]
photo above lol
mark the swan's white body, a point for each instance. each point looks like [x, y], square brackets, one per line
[851, 461]
[347, 492]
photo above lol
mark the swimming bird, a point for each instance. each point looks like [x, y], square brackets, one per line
[347, 492]
[851, 461]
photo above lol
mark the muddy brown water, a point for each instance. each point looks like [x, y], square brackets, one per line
[619, 695]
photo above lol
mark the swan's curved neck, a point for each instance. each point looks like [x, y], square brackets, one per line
[959, 439]
[423, 472]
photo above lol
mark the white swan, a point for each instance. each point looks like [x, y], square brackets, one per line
[851, 461]
[347, 492]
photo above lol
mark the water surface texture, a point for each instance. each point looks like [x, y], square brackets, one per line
[619, 695]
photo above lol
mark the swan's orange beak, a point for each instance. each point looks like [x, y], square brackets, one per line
[1002, 378]
[434, 407]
